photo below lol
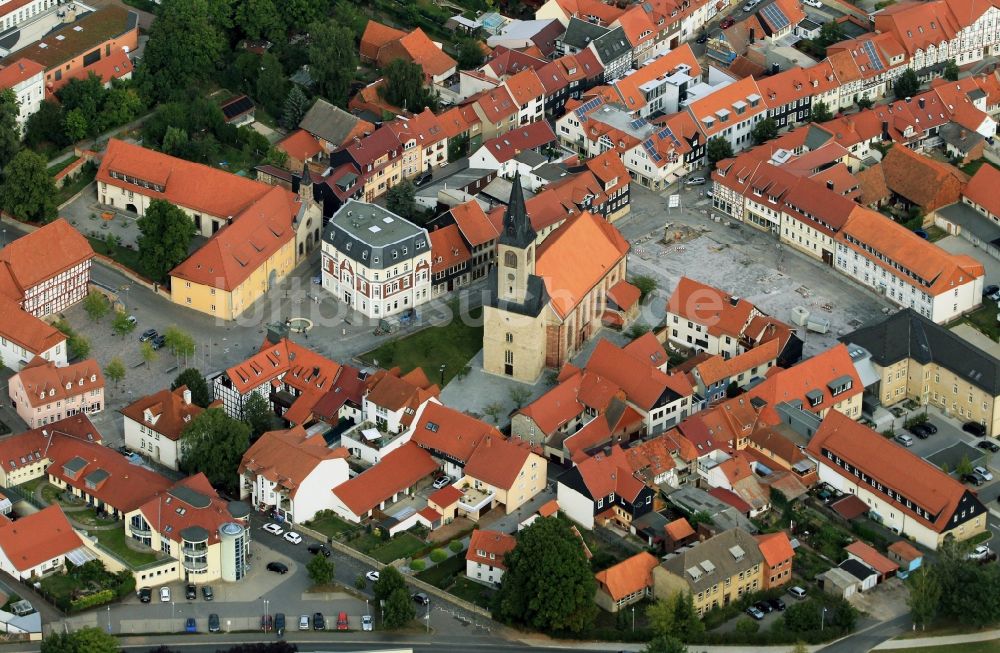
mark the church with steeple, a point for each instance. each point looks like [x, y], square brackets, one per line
[549, 297]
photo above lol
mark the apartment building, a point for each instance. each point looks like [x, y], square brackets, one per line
[26, 79]
[43, 393]
[154, 424]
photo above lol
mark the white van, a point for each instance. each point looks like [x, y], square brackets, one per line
[797, 592]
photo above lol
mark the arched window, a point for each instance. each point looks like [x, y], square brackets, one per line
[510, 259]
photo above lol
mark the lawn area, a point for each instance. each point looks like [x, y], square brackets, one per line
[472, 592]
[935, 233]
[452, 344]
[971, 167]
[401, 546]
[62, 165]
[50, 494]
[127, 257]
[114, 540]
[971, 647]
[29, 487]
[331, 525]
[81, 181]
[442, 575]
[985, 319]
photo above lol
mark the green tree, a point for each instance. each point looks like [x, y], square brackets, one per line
[389, 580]
[259, 19]
[115, 370]
[258, 415]
[195, 382]
[950, 71]
[865, 103]
[924, 597]
[401, 199]
[494, 410]
[28, 191]
[85, 640]
[519, 394]
[121, 105]
[333, 60]
[820, 112]
[844, 616]
[96, 305]
[45, 126]
[185, 44]
[349, 15]
[213, 443]
[320, 569]
[296, 106]
[804, 616]
[122, 325]
[646, 285]
[717, 149]
[746, 626]
[398, 610]
[299, 14]
[548, 584]
[175, 141]
[660, 615]
[10, 141]
[77, 346]
[272, 87]
[687, 623]
[665, 644]
[470, 53]
[829, 34]
[180, 344]
[458, 148]
[165, 234]
[964, 466]
[404, 86]
[906, 85]
[149, 355]
[764, 131]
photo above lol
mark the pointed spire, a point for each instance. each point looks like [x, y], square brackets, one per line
[517, 229]
[306, 175]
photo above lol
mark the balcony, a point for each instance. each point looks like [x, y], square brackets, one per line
[198, 550]
[473, 500]
[195, 564]
[141, 531]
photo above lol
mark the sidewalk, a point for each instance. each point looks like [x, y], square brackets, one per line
[948, 640]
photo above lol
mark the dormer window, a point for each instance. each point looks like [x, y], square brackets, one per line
[69, 385]
[52, 392]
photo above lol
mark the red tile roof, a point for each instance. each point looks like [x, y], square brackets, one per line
[814, 373]
[504, 62]
[189, 503]
[420, 49]
[528, 137]
[489, 547]
[28, 447]
[24, 268]
[871, 557]
[731, 498]
[775, 547]
[525, 87]
[850, 507]
[705, 110]
[18, 71]
[37, 538]
[446, 496]
[375, 37]
[606, 474]
[624, 294]
[448, 249]
[628, 87]
[167, 411]
[721, 312]
[905, 551]
[642, 382]
[300, 145]
[496, 104]
[393, 392]
[631, 575]
[679, 529]
[647, 347]
[895, 467]
[45, 383]
[27, 331]
[498, 461]
[446, 431]
[398, 470]
[288, 457]
[473, 223]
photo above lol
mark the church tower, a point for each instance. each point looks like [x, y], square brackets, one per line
[516, 249]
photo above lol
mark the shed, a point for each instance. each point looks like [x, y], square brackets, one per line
[838, 582]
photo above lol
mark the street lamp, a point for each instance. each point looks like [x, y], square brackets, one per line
[172, 613]
[266, 614]
[109, 619]
[442, 374]
[633, 618]
[427, 617]
[822, 621]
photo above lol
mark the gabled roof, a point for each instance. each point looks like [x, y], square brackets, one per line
[300, 145]
[612, 46]
[504, 62]
[498, 461]
[590, 10]
[417, 47]
[557, 406]
[871, 557]
[496, 104]
[905, 551]
[647, 347]
[727, 554]
[722, 313]
[679, 529]
[631, 575]
[32, 446]
[376, 36]
[37, 538]
[921, 179]
[446, 431]
[775, 547]
[398, 470]
[644, 384]
[45, 383]
[288, 457]
[525, 86]
[188, 510]
[33, 335]
[724, 102]
[681, 58]
[18, 71]
[23, 266]
[489, 547]
[447, 249]
[810, 383]
[527, 137]
[576, 257]
[164, 412]
[602, 475]
[473, 223]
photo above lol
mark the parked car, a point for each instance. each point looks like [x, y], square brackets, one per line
[421, 598]
[920, 431]
[702, 38]
[904, 440]
[694, 181]
[763, 606]
[776, 604]
[279, 624]
[190, 625]
[191, 592]
[148, 334]
[930, 427]
[441, 481]
[207, 593]
[277, 567]
[164, 595]
[989, 445]
[372, 576]
[813, 3]
[975, 428]
[319, 623]
[213, 623]
[990, 290]
[267, 622]
[316, 549]
[973, 479]
[423, 178]
[755, 613]
[727, 22]
[293, 537]
[797, 592]
[304, 622]
[750, 5]
[159, 342]
[367, 623]
[982, 471]
[274, 529]
[342, 621]
[145, 594]
[981, 552]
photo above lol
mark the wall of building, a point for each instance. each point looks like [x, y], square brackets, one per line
[576, 506]
[526, 346]
[90, 402]
[16, 357]
[151, 444]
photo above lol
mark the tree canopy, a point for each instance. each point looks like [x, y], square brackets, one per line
[333, 60]
[820, 112]
[404, 86]
[185, 44]
[28, 191]
[10, 141]
[764, 131]
[165, 234]
[389, 581]
[717, 149]
[548, 584]
[258, 415]
[398, 609]
[84, 640]
[115, 370]
[401, 199]
[195, 382]
[906, 85]
[213, 443]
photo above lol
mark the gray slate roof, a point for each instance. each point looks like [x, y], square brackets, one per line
[373, 236]
[612, 46]
[724, 560]
[579, 33]
[908, 334]
[328, 122]
[972, 221]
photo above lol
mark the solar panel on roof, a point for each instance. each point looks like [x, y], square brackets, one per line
[666, 133]
[775, 16]
[873, 59]
[651, 150]
[581, 112]
[636, 124]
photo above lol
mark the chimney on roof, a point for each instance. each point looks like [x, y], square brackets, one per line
[885, 131]
[908, 100]
[962, 134]
[921, 102]
[187, 396]
[829, 184]
[753, 35]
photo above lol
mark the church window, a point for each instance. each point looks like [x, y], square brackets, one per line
[510, 259]
[509, 337]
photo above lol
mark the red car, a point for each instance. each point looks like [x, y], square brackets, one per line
[342, 621]
[727, 22]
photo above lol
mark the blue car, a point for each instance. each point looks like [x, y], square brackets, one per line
[190, 626]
